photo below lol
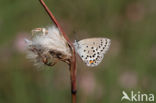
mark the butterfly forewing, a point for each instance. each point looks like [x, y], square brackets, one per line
[92, 50]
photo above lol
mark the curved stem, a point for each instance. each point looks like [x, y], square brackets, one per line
[73, 61]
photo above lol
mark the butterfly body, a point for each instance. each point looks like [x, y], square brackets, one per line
[92, 50]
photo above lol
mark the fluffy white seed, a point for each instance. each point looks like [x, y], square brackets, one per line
[48, 47]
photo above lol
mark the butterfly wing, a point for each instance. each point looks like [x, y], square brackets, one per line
[92, 50]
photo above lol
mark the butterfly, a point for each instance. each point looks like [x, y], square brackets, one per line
[92, 50]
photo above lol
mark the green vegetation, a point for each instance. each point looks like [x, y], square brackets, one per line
[130, 64]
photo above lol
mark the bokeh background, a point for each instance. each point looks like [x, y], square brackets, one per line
[130, 64]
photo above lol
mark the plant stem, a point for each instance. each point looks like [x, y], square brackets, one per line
[73, 79]
[72, 65]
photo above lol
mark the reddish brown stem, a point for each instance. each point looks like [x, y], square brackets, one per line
[73, 61]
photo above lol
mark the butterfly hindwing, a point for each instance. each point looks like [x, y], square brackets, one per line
[92, 50]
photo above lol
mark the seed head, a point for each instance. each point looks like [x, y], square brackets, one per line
[47, 46]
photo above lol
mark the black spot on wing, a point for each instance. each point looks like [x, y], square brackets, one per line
[94, 55]
[106, 41]
[87, 56]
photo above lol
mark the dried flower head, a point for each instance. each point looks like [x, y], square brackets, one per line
[47, 46]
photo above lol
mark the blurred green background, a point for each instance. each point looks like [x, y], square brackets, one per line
[130, 64]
